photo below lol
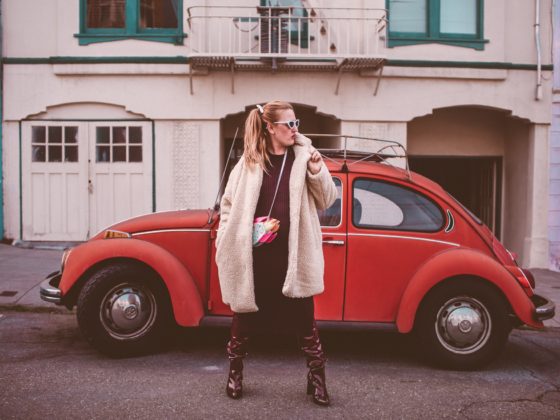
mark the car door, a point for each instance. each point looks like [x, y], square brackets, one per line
[393, 229]
[329, 304]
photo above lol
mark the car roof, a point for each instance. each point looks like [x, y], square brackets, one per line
[385, 170]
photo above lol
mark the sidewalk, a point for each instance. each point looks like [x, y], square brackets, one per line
[22, 270]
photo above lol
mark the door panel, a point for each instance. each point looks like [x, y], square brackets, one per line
[329, 304]
[120, 183]
[54, 181]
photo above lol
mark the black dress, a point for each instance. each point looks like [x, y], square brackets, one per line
[270, 262]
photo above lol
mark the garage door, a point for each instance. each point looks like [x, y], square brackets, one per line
[79, 177]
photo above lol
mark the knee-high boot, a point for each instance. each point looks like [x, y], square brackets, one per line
[316, 383]
[236, 351]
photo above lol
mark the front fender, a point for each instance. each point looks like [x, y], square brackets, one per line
[462, 262]
[185, 297]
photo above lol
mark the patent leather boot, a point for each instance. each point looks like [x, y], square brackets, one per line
[316, 383]
[236, 350]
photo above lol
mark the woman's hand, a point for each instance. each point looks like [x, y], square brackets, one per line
[314, 163]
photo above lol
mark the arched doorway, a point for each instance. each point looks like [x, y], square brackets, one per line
[479, 155]
[311, 122]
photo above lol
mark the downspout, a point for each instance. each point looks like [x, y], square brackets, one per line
[538, 93]
[1, 125]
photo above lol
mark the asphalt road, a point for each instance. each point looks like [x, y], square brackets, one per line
[48, 371]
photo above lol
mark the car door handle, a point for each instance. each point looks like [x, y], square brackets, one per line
[334, 242]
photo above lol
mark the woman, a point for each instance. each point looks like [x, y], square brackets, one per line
[280, 176]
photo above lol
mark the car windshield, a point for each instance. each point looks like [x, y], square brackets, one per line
[470, 213]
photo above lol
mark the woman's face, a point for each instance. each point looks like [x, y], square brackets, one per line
[281, 135]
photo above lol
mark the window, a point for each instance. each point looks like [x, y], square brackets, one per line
[381, 205]
[333, 215]
[112, 20]
[118, 144]
[54, 143]
[296, 27]
[452, 22]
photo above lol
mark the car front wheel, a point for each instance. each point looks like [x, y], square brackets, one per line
[463, 324]
[123, 310]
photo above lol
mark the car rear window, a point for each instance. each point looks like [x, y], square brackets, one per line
[383, 205]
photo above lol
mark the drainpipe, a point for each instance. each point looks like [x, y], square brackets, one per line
[538, 93]
[1, 124]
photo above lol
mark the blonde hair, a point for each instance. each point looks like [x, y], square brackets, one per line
[257, 138]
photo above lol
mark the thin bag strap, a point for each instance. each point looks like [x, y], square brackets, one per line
[278, 183]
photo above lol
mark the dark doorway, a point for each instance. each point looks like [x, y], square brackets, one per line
[474, 181]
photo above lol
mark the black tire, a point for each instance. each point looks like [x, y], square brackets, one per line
[123, 310]
[463, 324]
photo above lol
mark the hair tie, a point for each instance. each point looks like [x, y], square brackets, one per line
[260, 108]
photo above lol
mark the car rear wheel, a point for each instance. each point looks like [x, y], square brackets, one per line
[463, 325]
[124, 310]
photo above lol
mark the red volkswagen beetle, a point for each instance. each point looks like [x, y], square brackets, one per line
[400, 254]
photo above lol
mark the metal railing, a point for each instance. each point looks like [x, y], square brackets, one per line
[284, 32]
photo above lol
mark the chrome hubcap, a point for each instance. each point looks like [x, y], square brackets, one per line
[128, 311]
[463, 325]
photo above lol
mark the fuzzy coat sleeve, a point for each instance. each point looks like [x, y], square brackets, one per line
[322, 187]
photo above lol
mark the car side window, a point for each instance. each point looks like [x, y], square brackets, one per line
[333, 215]
[382, 205]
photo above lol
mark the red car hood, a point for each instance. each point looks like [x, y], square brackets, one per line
[165, 220]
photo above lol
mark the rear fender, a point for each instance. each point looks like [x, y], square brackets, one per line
[185, 297]
[462, 263]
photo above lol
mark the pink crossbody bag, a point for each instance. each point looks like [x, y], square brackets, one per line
[265, 228]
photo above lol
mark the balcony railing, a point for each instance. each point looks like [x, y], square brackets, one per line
[278, 33]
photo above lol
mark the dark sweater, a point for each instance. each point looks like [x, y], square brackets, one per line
[281, 208]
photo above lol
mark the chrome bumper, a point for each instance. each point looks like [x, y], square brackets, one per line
[49, 290]
[544, 308]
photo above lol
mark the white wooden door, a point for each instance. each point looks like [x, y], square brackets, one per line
[54, 181]
[80, 177]
[120, 181]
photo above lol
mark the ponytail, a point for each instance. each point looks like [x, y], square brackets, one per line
[257, 139]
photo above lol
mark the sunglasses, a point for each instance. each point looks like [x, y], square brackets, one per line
[290, 124]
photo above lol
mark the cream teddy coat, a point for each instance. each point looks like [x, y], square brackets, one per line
[234, 247]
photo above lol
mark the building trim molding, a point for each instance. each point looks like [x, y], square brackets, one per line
[185, 60]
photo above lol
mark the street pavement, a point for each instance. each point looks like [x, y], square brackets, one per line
[23, 269]
[47, 370]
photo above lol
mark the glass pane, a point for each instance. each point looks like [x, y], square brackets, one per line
[38, 134]
[408, 16]
[119, 153]
[55, 153]
[135, 134]
[105, 13]
[55, 135]
[135, 154]
[158, 13]
[119, 134]
[70, 134]
[38, 153]
[103, 154]
[102, 135]
[70, 153]
[458, 17]
[388, 206]
[332, 215]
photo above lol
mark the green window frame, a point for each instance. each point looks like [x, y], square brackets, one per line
[132, 29]
[433, 33]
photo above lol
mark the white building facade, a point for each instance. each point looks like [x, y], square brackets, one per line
[114, 108]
